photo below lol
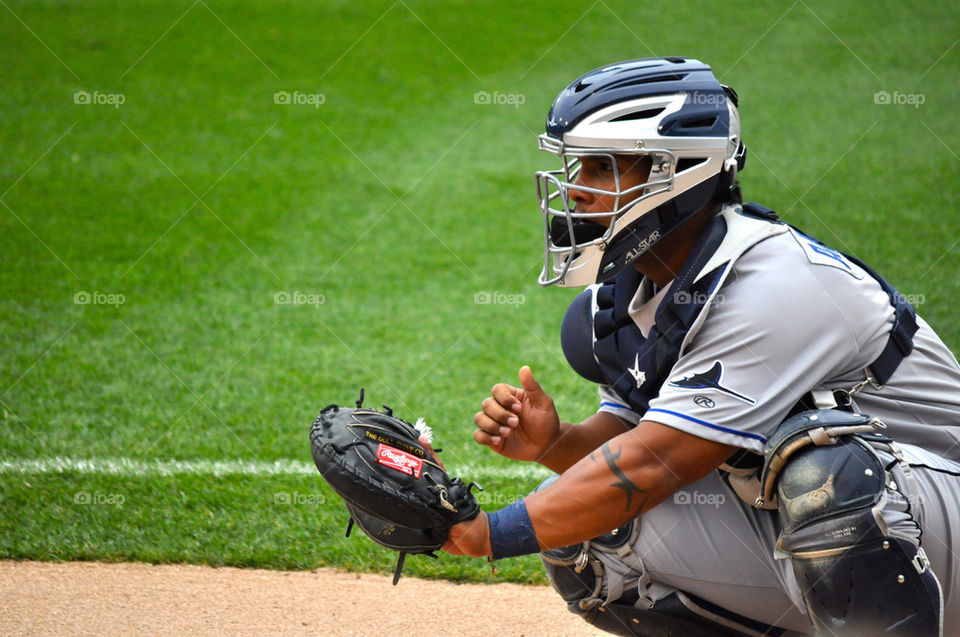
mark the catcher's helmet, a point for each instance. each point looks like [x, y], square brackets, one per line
[672, 110]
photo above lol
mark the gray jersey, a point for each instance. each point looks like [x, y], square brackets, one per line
[794, 316]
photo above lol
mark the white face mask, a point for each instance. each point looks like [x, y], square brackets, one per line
[571, 234]
[686, 159]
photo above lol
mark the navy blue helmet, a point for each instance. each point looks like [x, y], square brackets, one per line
[670, 110]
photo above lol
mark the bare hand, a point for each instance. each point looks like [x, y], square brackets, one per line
[520, 423]
[470, 538]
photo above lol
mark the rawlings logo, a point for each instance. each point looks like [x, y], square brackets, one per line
[399, 460]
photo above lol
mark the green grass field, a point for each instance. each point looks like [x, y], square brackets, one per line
[385, 202]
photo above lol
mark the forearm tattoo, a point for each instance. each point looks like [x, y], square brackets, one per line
[623, 482]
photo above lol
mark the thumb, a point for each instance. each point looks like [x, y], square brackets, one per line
[531, 387]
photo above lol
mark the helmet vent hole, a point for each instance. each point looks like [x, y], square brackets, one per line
[652, 79]
[645, 114]
[689, 162]
[703, 122]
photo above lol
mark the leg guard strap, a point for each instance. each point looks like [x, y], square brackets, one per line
[671, 617]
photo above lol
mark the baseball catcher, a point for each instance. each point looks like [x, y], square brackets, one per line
[395, 488]
[775, 448]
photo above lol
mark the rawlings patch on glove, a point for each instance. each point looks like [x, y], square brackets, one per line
[395, 490]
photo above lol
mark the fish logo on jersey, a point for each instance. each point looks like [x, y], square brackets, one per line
[709, 379]
[638, 375]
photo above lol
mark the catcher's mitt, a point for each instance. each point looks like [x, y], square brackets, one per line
[394, 489]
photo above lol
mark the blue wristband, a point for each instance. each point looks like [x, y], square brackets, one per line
[511, 533]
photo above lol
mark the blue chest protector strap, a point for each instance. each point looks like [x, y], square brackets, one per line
[900, 343]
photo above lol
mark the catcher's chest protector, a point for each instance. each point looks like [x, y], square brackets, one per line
[636, 366]
[603, 344]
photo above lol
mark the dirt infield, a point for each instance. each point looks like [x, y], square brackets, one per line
[84, 598]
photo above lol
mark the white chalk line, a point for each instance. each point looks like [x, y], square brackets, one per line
[137, 468]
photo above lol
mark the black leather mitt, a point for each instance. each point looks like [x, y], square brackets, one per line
[394, 488]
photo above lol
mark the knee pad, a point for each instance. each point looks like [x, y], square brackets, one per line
[855, 576]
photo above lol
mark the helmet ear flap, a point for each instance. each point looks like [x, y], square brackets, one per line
[727, 186]
[741, 153]
[736, 151]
